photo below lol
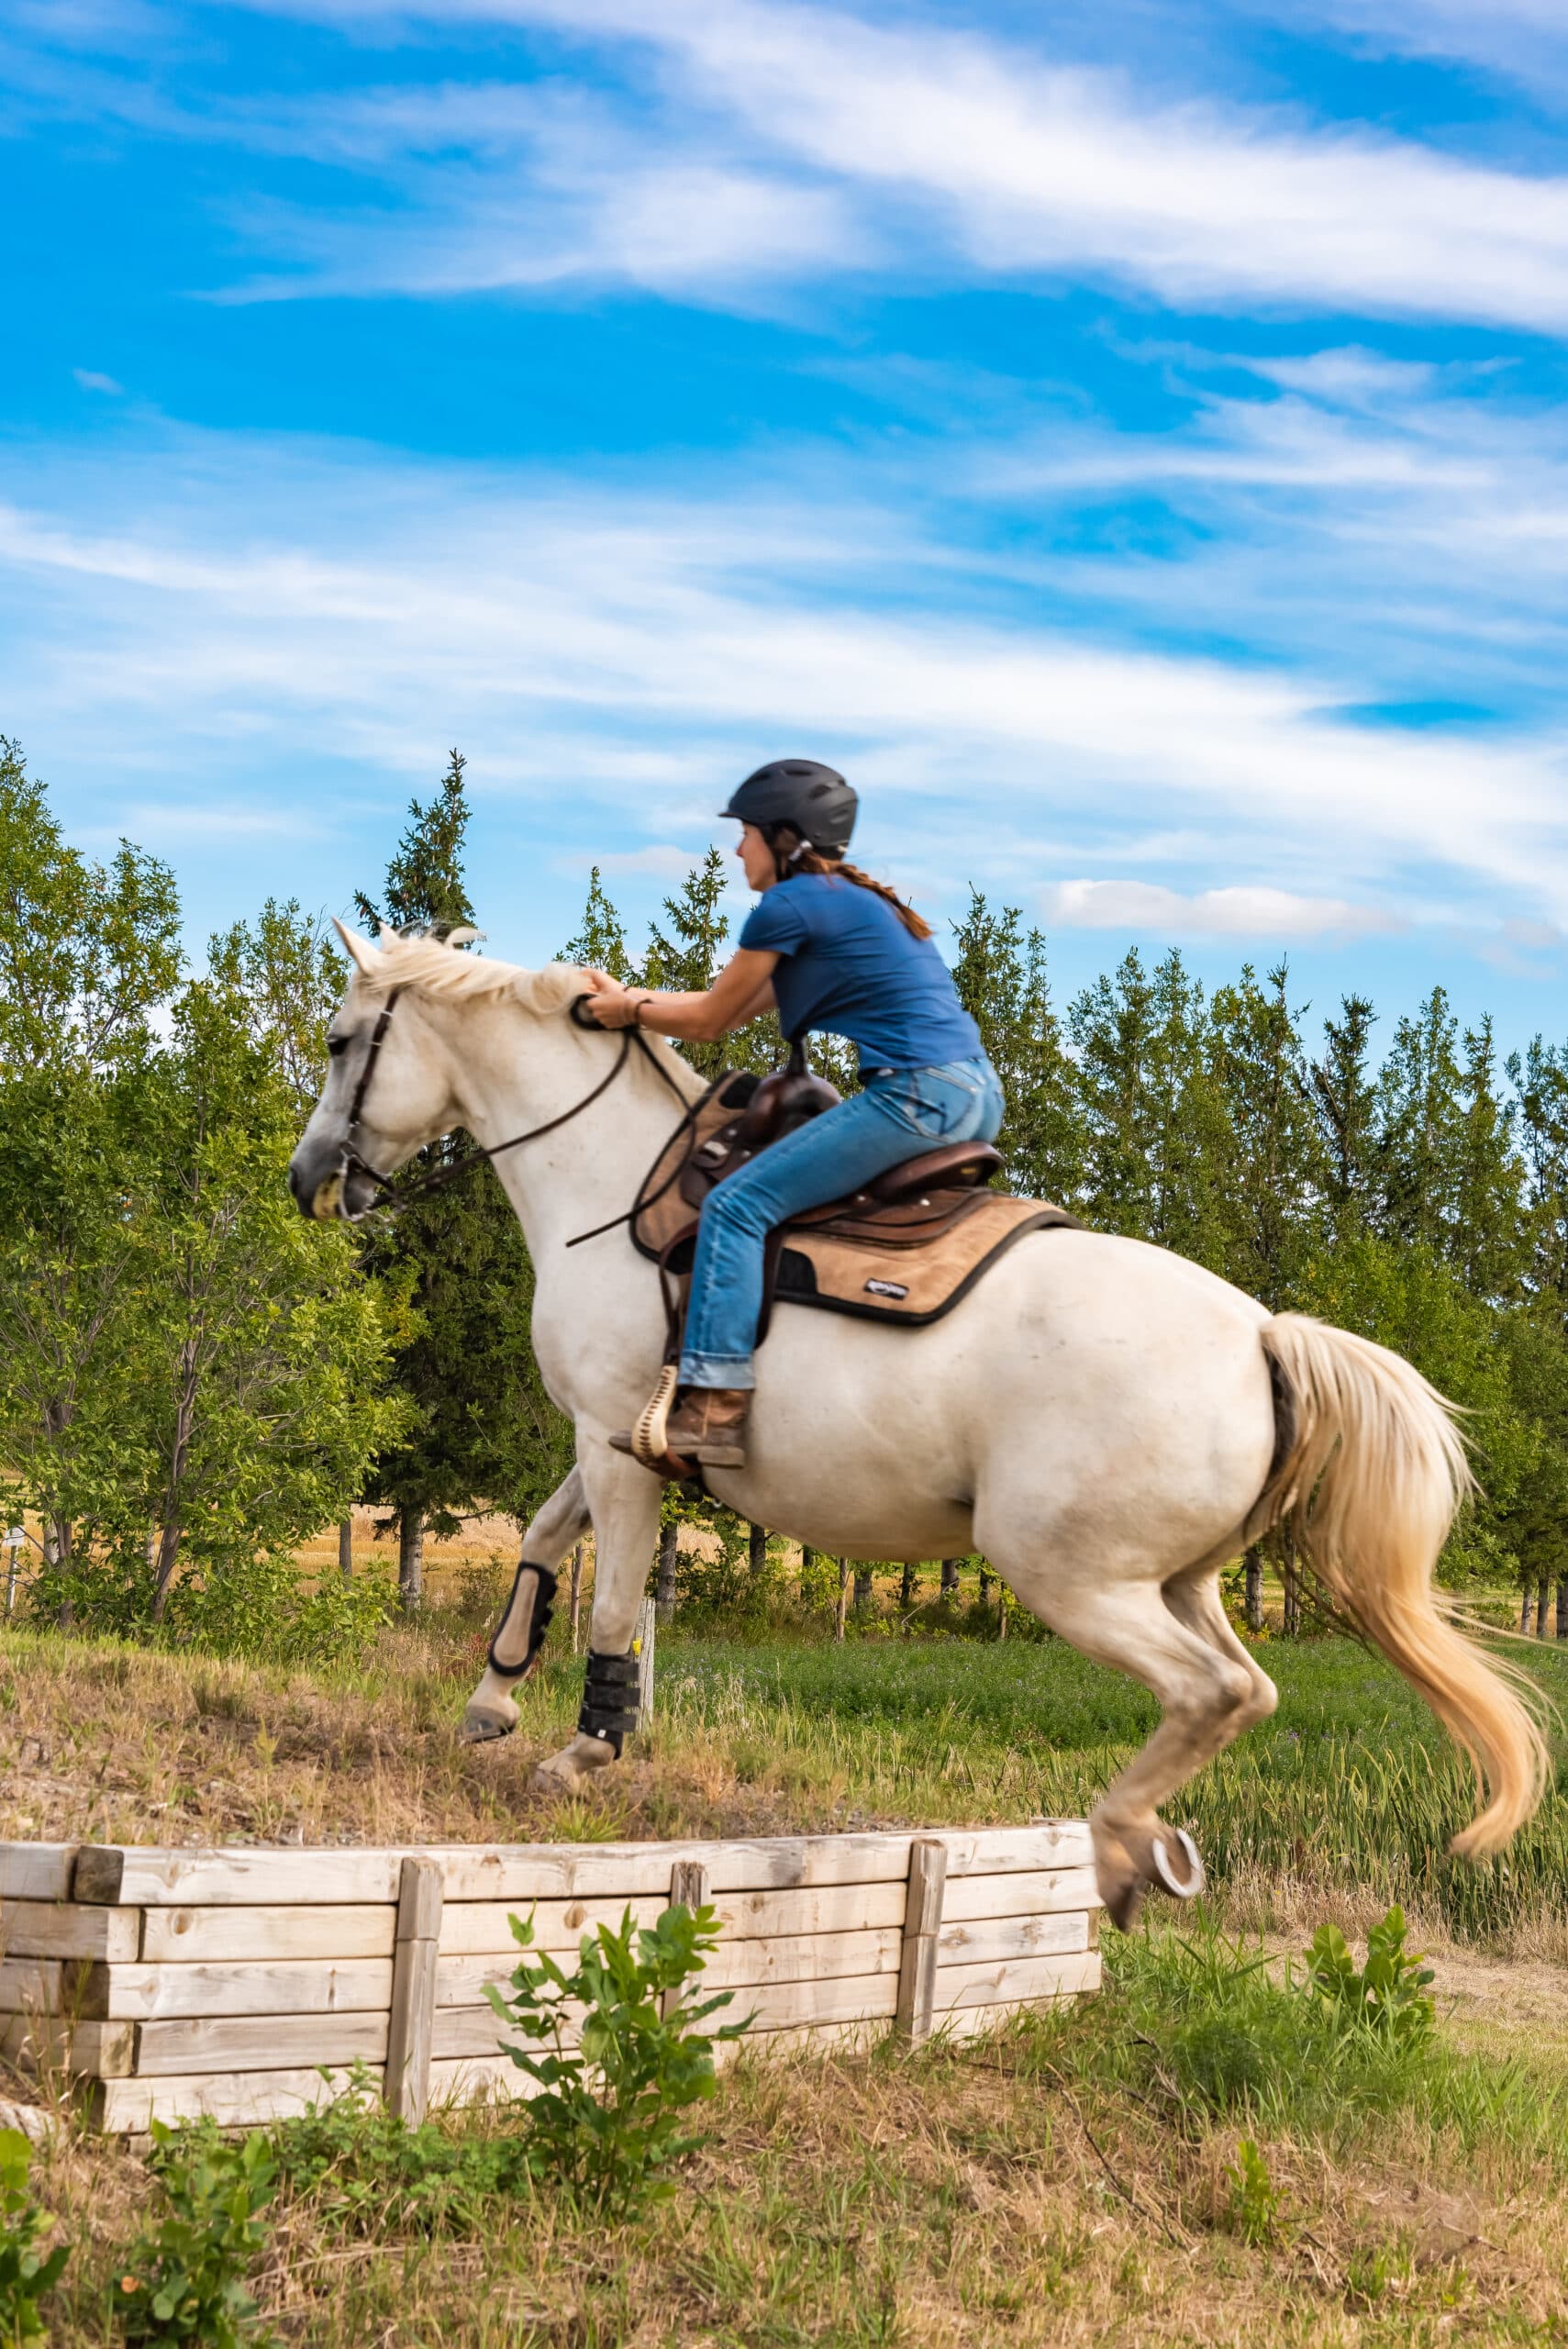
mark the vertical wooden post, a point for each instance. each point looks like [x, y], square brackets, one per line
[346, 1549]
[1290, 1618]
[843, 1599]
[411, 1560]
[922, 1925]
[949, 1577]
[757, 1549]
[669, 1555]
[1001, 1608]
[1255, 1588]
[1543, 1608]
[642, 1649]
[413, 2028]
[688, 1889]
[1527, 1605]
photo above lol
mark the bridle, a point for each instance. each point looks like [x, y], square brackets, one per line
[391, 1195]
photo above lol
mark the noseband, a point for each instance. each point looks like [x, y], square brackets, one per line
[352, 1161]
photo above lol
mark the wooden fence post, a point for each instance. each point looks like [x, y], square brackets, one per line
[688, 1889]
[843, 1599]
[922, 1925]
[577, 1596]
[642, 1649]
[669, 1556]
[413, 2029]
[1255, 1588]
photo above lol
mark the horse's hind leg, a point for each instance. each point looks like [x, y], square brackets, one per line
[519, 1635]
[1176, 1640]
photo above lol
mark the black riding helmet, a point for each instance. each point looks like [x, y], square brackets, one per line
[813, 800]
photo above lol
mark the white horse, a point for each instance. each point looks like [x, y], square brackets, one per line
[1107, 1423]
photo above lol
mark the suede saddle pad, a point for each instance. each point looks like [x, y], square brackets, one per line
[907, 1262]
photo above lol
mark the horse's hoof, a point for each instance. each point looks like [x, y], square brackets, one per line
[1125, 1904]
[1188, 1886]
[483, 1726]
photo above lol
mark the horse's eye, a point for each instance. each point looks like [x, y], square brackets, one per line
[337, 1045]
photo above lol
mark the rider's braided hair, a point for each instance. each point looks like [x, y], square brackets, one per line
[803, 858]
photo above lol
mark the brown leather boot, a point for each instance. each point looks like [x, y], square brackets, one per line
[707, 1424]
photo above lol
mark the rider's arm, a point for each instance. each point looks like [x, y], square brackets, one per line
[742, 989]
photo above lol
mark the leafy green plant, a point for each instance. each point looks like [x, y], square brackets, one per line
[368, 2172]
[605, 2122]
[1390, 1992]
[25, 2272]
[184, 2278]
[1254, 2198]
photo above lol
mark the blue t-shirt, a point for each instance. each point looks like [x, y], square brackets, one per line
[847, 964]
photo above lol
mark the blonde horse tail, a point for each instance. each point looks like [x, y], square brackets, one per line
[1371, 1473]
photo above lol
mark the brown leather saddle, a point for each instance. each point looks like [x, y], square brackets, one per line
[904, 1249]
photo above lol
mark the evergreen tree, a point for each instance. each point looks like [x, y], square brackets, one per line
[1278, 1175]
[600, 943]
[687, 955]
[1158, 1144]
[1344, 1096]
[1000, 974]
[481, 1433]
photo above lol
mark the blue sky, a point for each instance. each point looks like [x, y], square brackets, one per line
[1133, 449]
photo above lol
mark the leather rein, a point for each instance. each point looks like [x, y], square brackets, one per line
[389, 1194]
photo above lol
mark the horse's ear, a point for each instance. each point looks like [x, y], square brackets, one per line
[359, 951]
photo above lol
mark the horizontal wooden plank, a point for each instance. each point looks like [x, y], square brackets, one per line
[477, 2031]
[1016, 1980]
[147, 1993]
[799, 1958]
[237, 2100]
[481, 1928]
[31, 1986]
[37, 1871]
[258, 2043]
[991, 1940]
[257, 1874]
[51, 1929]
[234, 1876]
[89, 2050]
[623, 1871]
[1025, 1892]
[227, 1936]
[1046, 1844]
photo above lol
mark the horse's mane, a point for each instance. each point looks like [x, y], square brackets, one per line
[431, 966]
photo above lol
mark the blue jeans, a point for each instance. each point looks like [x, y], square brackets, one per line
[901, 1112]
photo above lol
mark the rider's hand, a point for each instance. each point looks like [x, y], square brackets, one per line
[609, 1003]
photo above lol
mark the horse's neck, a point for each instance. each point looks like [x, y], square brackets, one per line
[589, 1167]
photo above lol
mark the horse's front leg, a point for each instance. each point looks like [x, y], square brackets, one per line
[519, 1635]
[624, 1500]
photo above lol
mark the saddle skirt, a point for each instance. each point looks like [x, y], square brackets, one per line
[905, 1258]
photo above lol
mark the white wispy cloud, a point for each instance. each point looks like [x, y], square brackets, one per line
[91, 380]
[296, 605]
[1257, 912]
[981, 157]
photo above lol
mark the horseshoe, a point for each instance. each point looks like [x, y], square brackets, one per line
[1194, 1884]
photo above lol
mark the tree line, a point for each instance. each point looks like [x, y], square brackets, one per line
[192, 1378]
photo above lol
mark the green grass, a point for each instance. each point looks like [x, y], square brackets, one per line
[1352, 1784]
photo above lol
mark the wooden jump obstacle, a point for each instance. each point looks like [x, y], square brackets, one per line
[166, 1983]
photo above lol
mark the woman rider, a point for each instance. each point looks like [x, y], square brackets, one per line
[830, 947]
